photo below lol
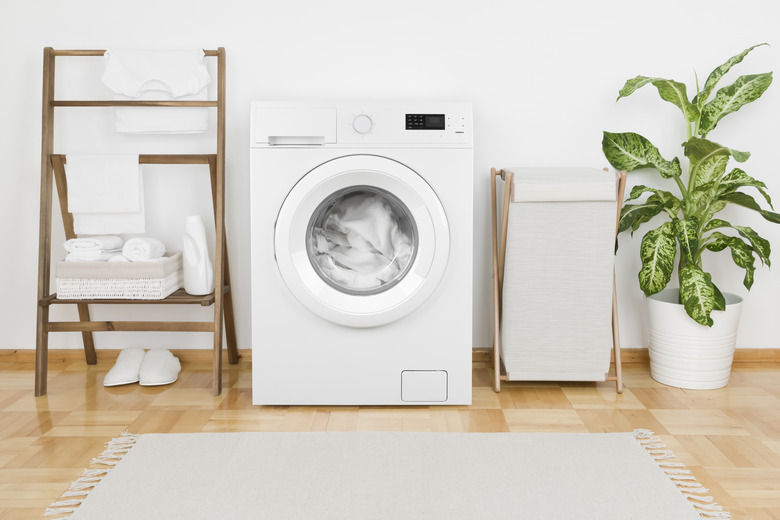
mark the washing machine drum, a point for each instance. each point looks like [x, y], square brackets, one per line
[362, 240]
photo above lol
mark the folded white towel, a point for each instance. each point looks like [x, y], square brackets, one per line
[143, 249]
[103, 183]
[98, 243]
[119, 257]
[105, 223]
[131, 72]
[89, 256]
[159, 75]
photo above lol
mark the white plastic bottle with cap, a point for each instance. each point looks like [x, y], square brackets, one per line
[196, 264]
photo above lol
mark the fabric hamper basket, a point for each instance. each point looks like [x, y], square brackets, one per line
[558, 275]
[150, 280]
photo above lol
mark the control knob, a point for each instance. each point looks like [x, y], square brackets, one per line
[362, 124]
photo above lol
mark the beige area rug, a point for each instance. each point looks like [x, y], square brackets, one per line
[378, 476]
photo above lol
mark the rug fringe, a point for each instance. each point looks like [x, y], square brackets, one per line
[81, 487]
[683, 478]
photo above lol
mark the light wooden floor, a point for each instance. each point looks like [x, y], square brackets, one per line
[730, 438]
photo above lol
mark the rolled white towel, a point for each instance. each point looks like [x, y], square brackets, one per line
[142, 249]
[96, 243]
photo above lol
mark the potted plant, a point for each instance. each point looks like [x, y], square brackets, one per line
[705, 186]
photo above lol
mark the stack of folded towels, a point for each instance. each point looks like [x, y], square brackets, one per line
[111, 248]
[93, 249]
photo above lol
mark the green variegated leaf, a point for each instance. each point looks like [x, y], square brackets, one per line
[720, 300]
[672, 91]
[744, 200]
[744, 90]
[697, 294]
[711, 169]
[700, 149]
[760, 245]
[639, 189]
[667, 199]
[737, 179]
[687, 232]
[629, 151]
[741, 253]
[718, 73]
[634, 215]
[708, 160]
[714, 224]
[713, 209]
[657, 252]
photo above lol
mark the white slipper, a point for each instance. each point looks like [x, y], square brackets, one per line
[127, 368]
[159, 367]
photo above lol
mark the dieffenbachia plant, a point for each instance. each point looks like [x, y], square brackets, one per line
[706, 191]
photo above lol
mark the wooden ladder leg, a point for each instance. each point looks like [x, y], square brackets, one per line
[217, 168]
[42, 350]
[220, 268]
[227, 309]
[89, 343]
[44, 229]
[216, 388]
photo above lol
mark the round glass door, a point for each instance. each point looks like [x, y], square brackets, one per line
[361, 240]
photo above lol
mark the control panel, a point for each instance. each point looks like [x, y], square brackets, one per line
[370, 124]
[425, 121]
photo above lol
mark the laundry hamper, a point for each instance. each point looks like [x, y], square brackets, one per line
[556, 316]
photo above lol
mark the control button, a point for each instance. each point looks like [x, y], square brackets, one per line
[362, 124]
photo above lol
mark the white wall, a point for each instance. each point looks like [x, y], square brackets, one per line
[542, 75]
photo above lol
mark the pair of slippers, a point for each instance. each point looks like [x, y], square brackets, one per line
[147, 368]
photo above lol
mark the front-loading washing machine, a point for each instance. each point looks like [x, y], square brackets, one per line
[361, 242]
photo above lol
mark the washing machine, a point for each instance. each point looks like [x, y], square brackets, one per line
[361, 253]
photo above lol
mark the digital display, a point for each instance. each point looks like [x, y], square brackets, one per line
[425, 122]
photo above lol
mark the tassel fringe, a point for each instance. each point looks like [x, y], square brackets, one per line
[683, 478]
[71, 499]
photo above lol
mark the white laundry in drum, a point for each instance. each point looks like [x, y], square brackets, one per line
[364, 241]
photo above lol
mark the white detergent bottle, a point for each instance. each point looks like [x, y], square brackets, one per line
[196, 264]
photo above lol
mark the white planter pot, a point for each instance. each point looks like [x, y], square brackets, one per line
[686, 354]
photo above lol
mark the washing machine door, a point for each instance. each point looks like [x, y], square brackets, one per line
[362, 240]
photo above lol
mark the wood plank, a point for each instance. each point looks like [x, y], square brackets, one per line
[118, 103]
[44, 230]
[147, 159]
[131, 326]
[179, 297]
[101, 52]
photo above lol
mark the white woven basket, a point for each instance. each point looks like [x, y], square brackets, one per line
[118, 288]
[119, 281]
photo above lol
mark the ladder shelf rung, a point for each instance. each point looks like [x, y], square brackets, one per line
[178, 297]
[130, 103]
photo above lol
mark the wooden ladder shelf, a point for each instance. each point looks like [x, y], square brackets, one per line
[53, 169]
